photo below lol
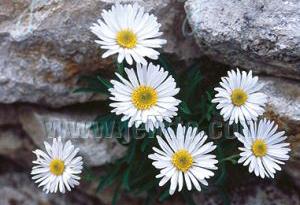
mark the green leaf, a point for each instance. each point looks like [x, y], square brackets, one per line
[145, 144]
[223, 172]
[224, 196]
[125, 180]
[131, 150]
[167, 66]
[189, 83]
[110, 178]
[164, 195]
[104, 82]
[93, 84]
[120, 68]
[102, 184]
[88, 79]
[185, 108]
[88, 175]
[140, 179]
[147, 141]
[110, 126]
[88, 90]
[209, 96]
[117, 195]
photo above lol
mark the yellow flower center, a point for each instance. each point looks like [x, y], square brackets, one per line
[57, 167]
[126, 38]
[239, 97]
[259, 148]
[144, 97]
[182, 160]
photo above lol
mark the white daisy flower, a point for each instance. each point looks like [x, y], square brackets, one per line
[239, 98]
[130, 32]
[264, 149]
[57, 168]
[147, 97]
[184, 156]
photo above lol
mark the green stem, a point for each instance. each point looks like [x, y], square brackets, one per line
[230, 158]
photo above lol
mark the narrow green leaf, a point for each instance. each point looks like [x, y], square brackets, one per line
[102, 184]
[104, 82]
[164, 195]
[146, 142]
[108, 179]
[223, 172]
[125, 180]
[93, 84]
[167, 66]
[184, 108]
[131, 150]
[120, 68]
[190, 82]
[117, 195]
[88, 90]
[224, 196]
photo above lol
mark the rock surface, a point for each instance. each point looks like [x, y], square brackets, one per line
[257, 194]
[16, 146]
[8, 115]
[260, 35]
[284, 96]
[16, 188]
[284, 108]
[46, 44]
[43, 125]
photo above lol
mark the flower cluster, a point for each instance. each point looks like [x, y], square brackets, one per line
[145, 95]
[184, 157]
[129, 31]
[58, 167]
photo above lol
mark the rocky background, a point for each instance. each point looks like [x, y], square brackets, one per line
[45, 45]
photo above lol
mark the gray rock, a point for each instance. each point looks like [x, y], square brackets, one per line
[258, 193]
[8, 115]
[42, 125]
[17, 188]
[284, 97]
[46, 45]
[9, 142]
[260, 35]
[16, 146]
[284, 108]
